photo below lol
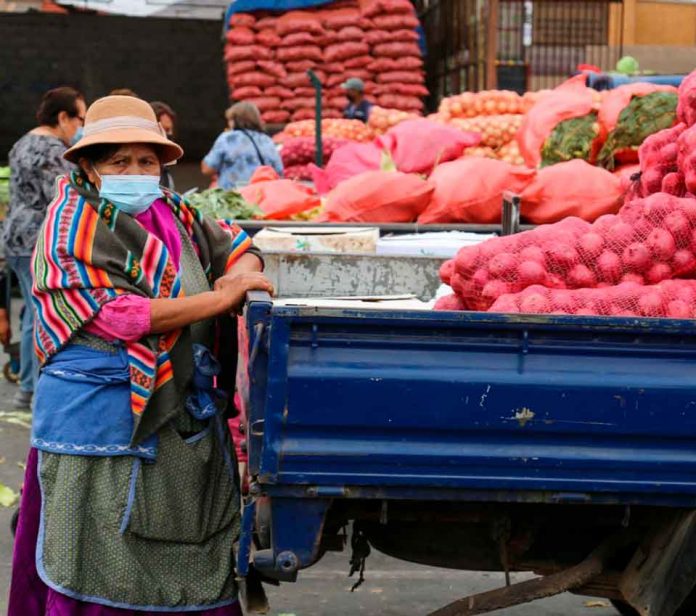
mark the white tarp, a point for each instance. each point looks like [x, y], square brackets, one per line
[190, 9]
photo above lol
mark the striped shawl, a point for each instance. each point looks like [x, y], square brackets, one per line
[88, 253]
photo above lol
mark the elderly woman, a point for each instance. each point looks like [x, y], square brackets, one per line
[130, 501]
[239, 151]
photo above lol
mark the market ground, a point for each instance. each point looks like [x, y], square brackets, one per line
[392, 587]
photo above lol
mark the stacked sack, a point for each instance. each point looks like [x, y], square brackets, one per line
[629, 264]
[268, 57]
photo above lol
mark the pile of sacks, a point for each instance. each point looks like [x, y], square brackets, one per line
[268, 56]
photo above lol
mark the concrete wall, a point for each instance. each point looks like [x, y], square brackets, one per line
[178, 61]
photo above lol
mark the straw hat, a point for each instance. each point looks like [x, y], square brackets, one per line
[123, 119]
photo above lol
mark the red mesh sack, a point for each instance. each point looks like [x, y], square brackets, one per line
[260, 80]
[403, 21]
[686, 161]
[240, 36]
[384, 65]
[575, 188]
[401, 77]
[344, 51]
[479, 198]
[372, 8]
[335, 80]
[648, 241]
[304, 52]
[658, 157]
[296, 80]
[358, 62]
[268, 38]
[304, 92]
[264, 173]
[405, 103]
[299, 21]
[449, 302]
[686, 107]
[307, 113]
[300, 66]
[396, 50]
[266, 23]
[332, 67]
[298, 172]
[242, 20]
[416, 146]
[359, 73]
[279, 91]
[627, 174]
[298, 38]
[377, 37]
[234, 68]
[412, 89]
[266, 103]
[402, 36]
[350, 33]
[280, 199]
[293, 104]
[340, 18]
[346, 162]
[571, 100]
[333, 114]
[338, 102]
[377, 196]
[275, 117]
[246, 92]
[673, 299]
[302, 150]
[274, 69]
[238, 53]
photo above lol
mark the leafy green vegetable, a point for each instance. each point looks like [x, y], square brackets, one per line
[642, 117]
[8, 497]
[4, 185]
[570, 139]
[228, 204]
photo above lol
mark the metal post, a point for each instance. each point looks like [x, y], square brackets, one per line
[511, 213]
[317, 129]
[492, 44]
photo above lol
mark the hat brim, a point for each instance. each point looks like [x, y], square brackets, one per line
[169, 151]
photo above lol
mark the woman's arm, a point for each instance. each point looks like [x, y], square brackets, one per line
[169, 314]
[209, 171]
[212, 163]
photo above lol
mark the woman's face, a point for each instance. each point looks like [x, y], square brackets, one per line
[69, 125]
[129, 159]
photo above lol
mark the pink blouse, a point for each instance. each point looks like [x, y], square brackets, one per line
[127, 317]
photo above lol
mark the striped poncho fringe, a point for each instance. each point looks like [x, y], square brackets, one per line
[88, 254]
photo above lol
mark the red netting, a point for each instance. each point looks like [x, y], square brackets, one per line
[670, 298]
[648, 241]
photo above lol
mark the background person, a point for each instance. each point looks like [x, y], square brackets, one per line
[358, 107]
[166, 116]
[239, 151]
[36, 160]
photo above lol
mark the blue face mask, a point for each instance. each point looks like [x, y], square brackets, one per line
[132, 194]
[77, 136]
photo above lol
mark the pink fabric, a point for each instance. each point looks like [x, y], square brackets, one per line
[127, 318]
[29, 596]
[159, 220]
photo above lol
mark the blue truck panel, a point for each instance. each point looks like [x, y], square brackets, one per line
[464, 405]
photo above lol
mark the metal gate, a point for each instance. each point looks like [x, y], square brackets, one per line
[534, 44]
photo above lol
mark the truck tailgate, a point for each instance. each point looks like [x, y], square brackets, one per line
[472, 405]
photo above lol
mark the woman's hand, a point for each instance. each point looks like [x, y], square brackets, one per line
[5, 330]
[234, 288]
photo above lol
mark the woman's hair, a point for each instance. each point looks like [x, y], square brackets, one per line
[123, 92]
[54, 101]
[245, 116]
[161, 109]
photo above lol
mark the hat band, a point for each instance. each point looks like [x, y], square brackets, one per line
[119, 122]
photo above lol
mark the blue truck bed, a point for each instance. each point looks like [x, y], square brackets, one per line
[471, 406]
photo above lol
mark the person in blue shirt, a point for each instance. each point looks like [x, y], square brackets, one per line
[239, 151]
[359, 107]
